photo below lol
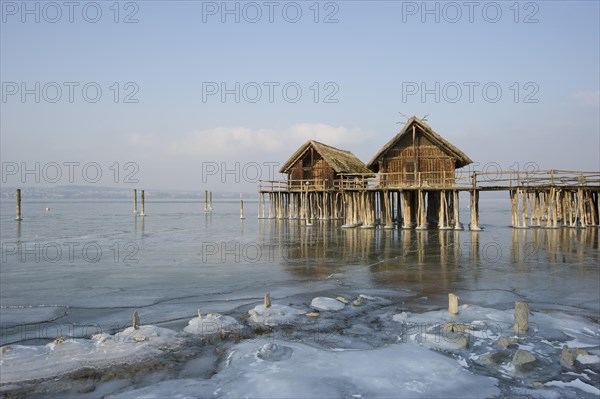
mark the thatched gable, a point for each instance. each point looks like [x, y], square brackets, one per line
[341, 161]
[459, 157]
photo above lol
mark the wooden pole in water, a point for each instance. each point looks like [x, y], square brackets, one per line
[521, 317]
[210, 208]
[524, 209]
[538, 213]
[134, 201]
[456, 212]
[474, 210]
[593, 208]
[406, 209]
[443, 211]
[387, 205]
[421, 210]
[581, 208]
[241, 207]
[205, 200]
[453, 303]
[18, 205]
[143, 213]
[550, 207]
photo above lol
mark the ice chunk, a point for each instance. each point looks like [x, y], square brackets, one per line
[576, 383]
[212, 323]
[588, 359]
[325, 303]
[275, 314]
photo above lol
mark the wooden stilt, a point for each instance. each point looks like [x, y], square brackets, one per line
[474, 225]
[143, 213]
[537, 210]
[241, 207]
[421, 210]
[581, 208]
[134, 201]
[524, 210]
[407, 221]
[387, 207]
[18, 205]
[457, 225]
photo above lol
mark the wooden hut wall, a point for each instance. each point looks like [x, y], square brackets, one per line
[312, 167]
[295, 174]
[436, 167]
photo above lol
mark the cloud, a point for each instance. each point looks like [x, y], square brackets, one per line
[587, 98]
[240, 142]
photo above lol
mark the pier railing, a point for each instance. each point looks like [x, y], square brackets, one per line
[460, 180]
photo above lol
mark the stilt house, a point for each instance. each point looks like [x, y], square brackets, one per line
[417, 157]
[317, 166]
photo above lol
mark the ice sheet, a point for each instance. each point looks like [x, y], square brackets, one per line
[399, 371]
[24, 363]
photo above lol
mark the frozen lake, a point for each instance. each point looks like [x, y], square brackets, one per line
[82, 269]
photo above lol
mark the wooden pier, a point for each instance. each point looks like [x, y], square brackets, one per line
[414, 181]
[549, 199]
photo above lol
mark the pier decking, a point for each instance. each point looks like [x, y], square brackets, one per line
[549, 198]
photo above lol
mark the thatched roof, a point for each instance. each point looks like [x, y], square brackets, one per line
[341, 161]
[461, 159]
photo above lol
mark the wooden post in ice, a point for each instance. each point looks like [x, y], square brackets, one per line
[134, 201]
[143, 213]
[205, 200]
[453, 303]
[136, 321]
[18, 205]
[210, 208]
[267, 300]
[241, 207]
[521, 317]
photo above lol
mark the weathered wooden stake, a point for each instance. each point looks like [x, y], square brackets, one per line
[18, 205]
[267, 300]
[135, 201]
[581, 208]
[143, 213]
[453, 303]
[521, 317]
[457, 225]
[538, 212]
[210, 207]
[205, 200]
[550, 209]
[241, 207]
[421, 210]
[524, 210]
[474, 210]
[136, 321]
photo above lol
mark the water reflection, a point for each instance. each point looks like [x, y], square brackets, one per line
[438, 257]
[18, 233]
[564, 245]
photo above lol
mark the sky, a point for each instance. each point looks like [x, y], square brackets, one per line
[195, 95]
